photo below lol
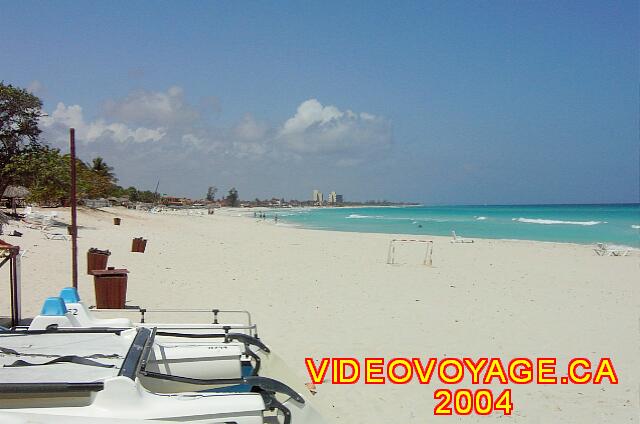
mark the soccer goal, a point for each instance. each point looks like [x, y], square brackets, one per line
[410, 248]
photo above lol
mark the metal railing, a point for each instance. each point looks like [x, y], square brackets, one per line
[249, 325]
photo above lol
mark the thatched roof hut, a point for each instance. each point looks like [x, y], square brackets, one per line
[16, 192]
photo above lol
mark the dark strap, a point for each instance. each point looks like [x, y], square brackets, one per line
[8, 351]
[71, 358]
[265, 383]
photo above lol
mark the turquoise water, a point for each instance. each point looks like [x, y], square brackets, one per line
[617, 224]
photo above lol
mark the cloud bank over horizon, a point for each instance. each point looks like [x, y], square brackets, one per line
[149, 135]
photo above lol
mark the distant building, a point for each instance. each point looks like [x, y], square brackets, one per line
[339, 198]
[332, 198]
[317, 197]
[96, 203]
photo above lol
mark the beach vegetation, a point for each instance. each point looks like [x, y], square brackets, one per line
[19, 131]
[28, 161]
[46, 172]
[100, 167]
[144, 196]
[211, 193]
[232, 197]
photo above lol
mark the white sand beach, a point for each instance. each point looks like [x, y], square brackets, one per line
[322, 293]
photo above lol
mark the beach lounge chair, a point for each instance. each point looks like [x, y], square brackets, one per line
[54, 236]
[604, 249]
[39, 220]
[457, 239]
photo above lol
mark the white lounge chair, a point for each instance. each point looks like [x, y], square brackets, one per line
[457, 239]
[603, 249]
[55, 236]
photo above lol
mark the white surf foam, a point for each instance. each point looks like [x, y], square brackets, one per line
[481, 218]
[356, 216]
[555, 222]
[635, 226]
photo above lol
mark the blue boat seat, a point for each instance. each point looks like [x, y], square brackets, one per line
[70, 295]
[53, 306]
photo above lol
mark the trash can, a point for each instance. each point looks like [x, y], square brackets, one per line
[97, 260]
[138, 245]
[111, 288]
[116, 221]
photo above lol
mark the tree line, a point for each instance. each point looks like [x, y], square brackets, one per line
[27, 161]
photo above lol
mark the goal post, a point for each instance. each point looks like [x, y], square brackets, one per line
[428, 245]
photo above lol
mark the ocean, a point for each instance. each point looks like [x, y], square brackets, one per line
[616, 224]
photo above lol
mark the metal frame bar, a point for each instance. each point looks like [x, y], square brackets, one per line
[142, 311]
[135, 356]
[391, 253]
[7, 388]
[12, 255]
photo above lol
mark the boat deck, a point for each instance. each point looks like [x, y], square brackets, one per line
[62, 357]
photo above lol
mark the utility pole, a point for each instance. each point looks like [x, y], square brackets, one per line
[74, 217]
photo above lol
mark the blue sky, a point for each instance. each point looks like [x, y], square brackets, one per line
[438, 102]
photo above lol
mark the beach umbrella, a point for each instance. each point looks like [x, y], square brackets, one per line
[15, 192]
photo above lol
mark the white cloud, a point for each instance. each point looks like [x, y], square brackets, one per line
[35, 87]
[166, 117]
[249, 129]
[57, 124]
[326, 129]
[192, 140]
[153, 108]
[147, 134]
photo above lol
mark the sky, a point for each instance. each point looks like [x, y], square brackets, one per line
[448, 102]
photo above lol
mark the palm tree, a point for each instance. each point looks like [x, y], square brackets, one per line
[100, 167]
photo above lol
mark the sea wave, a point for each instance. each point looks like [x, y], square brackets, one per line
[480, 218]
[413, 219]
[555, 222]
[356, 216]
[635, 226]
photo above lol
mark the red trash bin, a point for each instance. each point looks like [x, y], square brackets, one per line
[138, 245]
[97, 260]
[111, 288]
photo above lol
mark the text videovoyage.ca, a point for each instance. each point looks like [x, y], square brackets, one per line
[453, 371]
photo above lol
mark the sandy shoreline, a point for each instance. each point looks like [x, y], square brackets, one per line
[322, 293]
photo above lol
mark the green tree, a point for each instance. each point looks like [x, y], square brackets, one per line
[147, 196]
[211, 193]
[45, 172]
[232, 197]
[131, 193]
[19, 132]
[100, 167]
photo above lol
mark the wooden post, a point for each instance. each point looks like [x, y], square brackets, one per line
[74, 202]
[16, 303]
